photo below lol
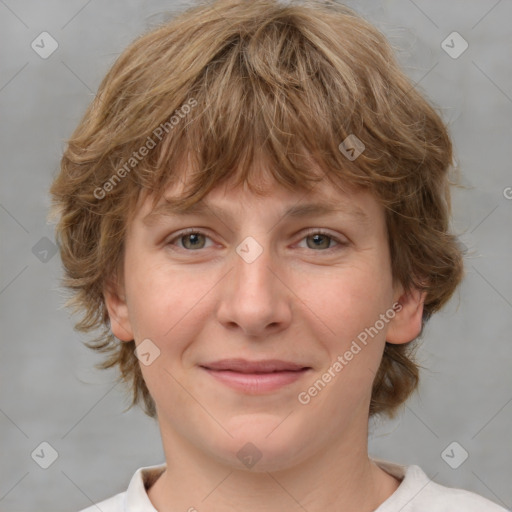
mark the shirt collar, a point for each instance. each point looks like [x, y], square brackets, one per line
[137, 499]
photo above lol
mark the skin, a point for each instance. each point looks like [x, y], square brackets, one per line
[297, 302]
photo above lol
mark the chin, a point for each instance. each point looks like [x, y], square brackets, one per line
[261, 444]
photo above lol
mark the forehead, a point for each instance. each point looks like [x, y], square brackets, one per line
[237, 193]
[228, 202]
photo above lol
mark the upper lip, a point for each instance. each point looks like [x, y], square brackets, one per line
[245, 366]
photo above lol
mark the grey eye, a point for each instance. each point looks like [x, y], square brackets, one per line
[193, 240]
[320, 241]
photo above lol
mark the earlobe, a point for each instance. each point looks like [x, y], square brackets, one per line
[407, 323]
[115, 302]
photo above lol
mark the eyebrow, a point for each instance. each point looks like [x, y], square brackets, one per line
[166, 209]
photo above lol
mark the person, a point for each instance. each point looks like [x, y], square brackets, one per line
[254, 211]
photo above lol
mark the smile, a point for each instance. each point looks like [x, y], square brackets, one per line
[256, 382]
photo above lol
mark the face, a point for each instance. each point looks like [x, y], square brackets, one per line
[248, 325]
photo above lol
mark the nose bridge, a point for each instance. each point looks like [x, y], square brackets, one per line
[252, 261]
[254, 299]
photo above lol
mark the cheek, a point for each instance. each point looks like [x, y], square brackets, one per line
[349, 299]
[167, 303]
[347, 309]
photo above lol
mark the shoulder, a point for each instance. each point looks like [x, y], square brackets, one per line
[419, 493]
[447, 499]
[114, 504]
[135, 498]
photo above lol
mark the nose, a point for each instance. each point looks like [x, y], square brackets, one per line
[254, 296]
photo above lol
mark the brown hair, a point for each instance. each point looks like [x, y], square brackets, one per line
[229, 81]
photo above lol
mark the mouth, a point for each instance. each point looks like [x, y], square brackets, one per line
[255, 377]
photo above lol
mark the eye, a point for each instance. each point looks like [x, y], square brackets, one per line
[320, 239]
[193, 239]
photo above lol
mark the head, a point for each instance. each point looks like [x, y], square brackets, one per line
[253, 107]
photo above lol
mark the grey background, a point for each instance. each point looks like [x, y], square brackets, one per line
[49, 390]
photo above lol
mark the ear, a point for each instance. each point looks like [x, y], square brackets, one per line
[406, 324]
[115, 301]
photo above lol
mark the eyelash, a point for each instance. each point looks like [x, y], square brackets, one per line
[341, 243]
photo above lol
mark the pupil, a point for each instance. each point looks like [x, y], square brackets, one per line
[191, 240]
[194, 236]
[318, 238]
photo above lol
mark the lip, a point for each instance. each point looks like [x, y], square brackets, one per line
[255, 377]
[245, 366]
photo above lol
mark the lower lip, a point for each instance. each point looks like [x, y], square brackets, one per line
[255, 383]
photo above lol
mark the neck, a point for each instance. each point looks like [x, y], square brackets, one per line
[329, 481]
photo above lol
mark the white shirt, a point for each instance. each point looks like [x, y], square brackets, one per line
[416, 493]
